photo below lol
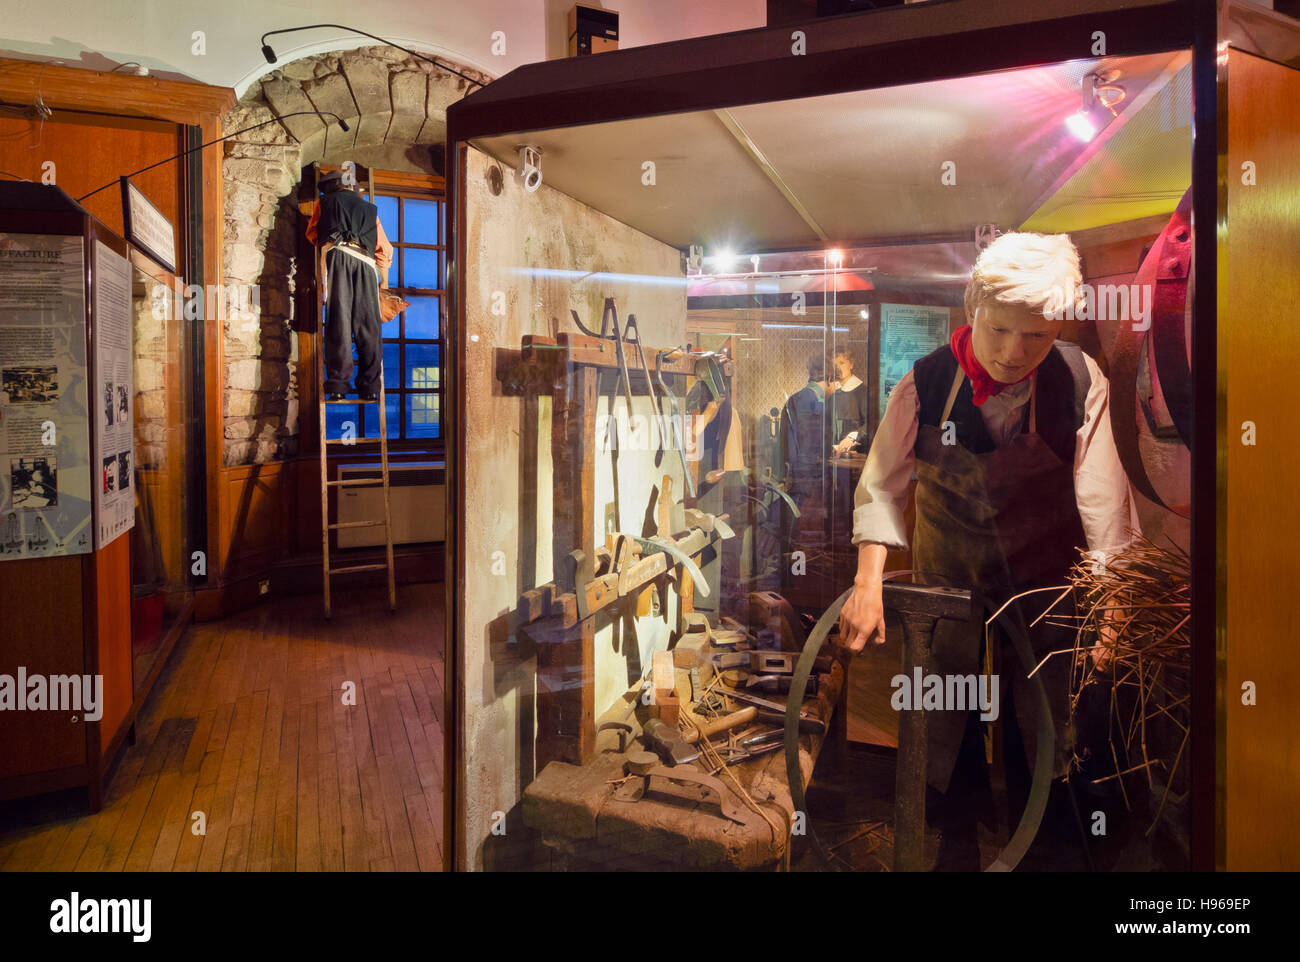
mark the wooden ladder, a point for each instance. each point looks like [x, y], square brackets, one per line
[326, 482]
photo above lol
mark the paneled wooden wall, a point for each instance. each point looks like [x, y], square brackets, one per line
[1259, 350]
[88, 150]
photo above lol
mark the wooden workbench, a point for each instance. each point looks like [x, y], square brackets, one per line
[675, 826]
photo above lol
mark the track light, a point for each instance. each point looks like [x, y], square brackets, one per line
[530, 167]
[1098, 89]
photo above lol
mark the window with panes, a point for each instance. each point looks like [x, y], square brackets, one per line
[413, 220]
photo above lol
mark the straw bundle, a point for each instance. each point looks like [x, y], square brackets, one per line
[1134, 614]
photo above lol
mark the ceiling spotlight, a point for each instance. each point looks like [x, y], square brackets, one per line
[864, 313]
[723, 258]
[1081, 126]
[754, 260]
[530, 167]
[1099, 89]
[835, 257]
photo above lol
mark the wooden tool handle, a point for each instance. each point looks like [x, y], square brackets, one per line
[720, 724]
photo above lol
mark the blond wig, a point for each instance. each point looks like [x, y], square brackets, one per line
[1040, 271]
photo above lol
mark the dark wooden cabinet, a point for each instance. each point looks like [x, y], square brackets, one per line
[66, 615]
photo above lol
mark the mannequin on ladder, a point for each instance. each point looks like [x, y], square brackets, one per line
[354, 258]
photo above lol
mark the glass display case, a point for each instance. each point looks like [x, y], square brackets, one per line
[713, 396]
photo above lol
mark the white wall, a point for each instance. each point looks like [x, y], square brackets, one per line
[99, 34]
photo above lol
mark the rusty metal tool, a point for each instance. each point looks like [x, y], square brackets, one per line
[666, 741]
[624, 732]
[610, 312]
[651, 545]
[679, 439]
[635, 788]
[760, 701]
[650, 384]
[772, 662]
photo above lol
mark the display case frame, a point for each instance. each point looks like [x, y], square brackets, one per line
[896, 46]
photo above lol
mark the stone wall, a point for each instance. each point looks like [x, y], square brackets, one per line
[395, 106]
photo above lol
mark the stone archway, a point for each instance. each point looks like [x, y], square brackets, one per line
[395, 106]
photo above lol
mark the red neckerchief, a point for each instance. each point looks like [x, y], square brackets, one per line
[982, 382]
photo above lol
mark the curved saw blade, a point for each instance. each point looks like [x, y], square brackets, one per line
[651, 545]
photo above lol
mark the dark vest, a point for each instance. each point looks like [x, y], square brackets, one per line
[1063, 383]
[850, 411]
[346, 218]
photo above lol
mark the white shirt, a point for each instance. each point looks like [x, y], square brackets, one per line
[1101, 488]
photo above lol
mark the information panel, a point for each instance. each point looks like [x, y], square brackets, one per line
[45, 477]
[908, 332]
[115, 434]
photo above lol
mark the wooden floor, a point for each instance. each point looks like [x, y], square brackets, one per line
[247, 725]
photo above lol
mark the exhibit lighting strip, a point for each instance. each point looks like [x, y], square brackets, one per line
[578, 277]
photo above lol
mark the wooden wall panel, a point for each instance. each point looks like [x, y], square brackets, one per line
[251, 513]
[1259, 349]
[47, 640]
[113, 602]
[120, 145]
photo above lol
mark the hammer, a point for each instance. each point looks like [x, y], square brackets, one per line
[667, 742]
[920, 607]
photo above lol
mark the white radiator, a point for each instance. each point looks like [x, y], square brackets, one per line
[418, 497]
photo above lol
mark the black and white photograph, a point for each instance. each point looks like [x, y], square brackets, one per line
[34, 384]
[123, 470]
[11, 533]
[110, 405]
[122, 404]
[33, 482]
[110, 474]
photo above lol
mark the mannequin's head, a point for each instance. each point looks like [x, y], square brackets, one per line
[845, 364]
[817, 371]
[1015, 300]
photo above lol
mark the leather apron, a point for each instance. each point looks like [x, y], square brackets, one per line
[998, 522]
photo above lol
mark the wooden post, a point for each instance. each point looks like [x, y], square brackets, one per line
[566, 656]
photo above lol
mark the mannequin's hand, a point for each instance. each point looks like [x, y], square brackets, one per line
[863, 618]
[843, 447]
[1101, 651]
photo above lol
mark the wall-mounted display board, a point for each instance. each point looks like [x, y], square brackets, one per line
[45, 495]
[908, 332]
[114, 395]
